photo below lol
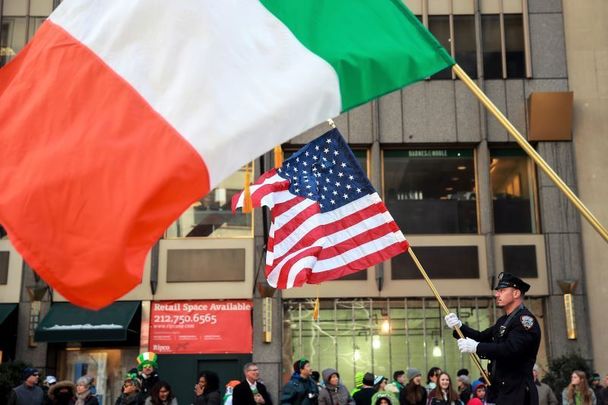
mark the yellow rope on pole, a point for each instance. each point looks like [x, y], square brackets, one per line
[531, 151]
[447, 311]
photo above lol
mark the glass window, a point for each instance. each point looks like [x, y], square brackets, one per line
[439, 260]
[511, 176]
[381, 336]
[3, 234]
[107, 366]
[4, 256]
[492, 56]
[464, 44]
[212, 215]
[12, 37]
[520, 260]
[514, 44]
[431, 191]
[439, 25]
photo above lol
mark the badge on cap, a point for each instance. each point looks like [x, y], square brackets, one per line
[527, 321]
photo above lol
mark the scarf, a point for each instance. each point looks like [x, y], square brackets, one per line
[80, 398]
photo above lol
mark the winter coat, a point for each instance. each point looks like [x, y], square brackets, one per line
[242, 395]
[89, 400]
[565, 400]
[364, 396]
[404, 392]
[436, 401]
[136, 398]
[61, 393]
[511, 345]
[300, 391]
[148, 383]
[334, 394]
[172, 402]
[209, 398]
[545, 394]
[385, 394]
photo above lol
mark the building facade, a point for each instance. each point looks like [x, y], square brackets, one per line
[470, 202]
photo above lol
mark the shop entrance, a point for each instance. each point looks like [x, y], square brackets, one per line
[182, 370]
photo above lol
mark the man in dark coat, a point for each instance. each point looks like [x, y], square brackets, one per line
[28, 393]
[251, 391]
[147, 367]
[301, 389]
[511, 344]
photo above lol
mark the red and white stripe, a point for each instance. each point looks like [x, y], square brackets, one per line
[309, 246]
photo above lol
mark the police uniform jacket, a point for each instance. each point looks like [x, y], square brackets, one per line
[512, 351]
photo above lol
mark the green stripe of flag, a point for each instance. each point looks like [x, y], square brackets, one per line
[375, 46]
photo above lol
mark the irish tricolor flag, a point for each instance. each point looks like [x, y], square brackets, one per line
[119, 114]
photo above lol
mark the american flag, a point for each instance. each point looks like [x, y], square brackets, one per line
[327, 219]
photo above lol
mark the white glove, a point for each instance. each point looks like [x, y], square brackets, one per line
[467, 345]
[452, 321]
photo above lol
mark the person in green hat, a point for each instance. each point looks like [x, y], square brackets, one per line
[147, 368]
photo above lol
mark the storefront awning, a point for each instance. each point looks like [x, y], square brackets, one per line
[68, 323]
[5, 311]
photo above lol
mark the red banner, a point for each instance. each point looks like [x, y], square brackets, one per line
[196, 327]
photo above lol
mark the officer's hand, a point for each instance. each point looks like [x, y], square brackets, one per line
[467, 345]
[452, 321]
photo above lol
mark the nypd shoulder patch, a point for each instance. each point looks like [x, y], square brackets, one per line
[527, 321]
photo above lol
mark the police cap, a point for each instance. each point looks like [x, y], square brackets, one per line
[509, 280]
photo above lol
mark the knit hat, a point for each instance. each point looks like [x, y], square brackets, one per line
[463, 378]
[368, 379]
[85, 380]
[132, 374]
[477, 384]
[50, 379]
[233, 383]
[378, 379]
[300, 364]
[412, 373]
[133, 380]
[147, 358]
[29, 371]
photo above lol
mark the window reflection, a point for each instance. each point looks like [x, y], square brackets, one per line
[431, 191]
[12, 37]
[439, 25]
[512, 192]
[464, 44]
[349, 336]
[212, 215]
[514, 46]
[492, 56]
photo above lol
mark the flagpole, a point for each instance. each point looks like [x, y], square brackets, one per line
[530, 151]
[447, 311]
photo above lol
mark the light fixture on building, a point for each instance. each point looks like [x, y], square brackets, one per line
[357, 354]
[436, 349]
[266, 292]
[376, 344]
[568, 287]
[386, 326]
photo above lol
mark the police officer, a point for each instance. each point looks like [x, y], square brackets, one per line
[511, 344]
